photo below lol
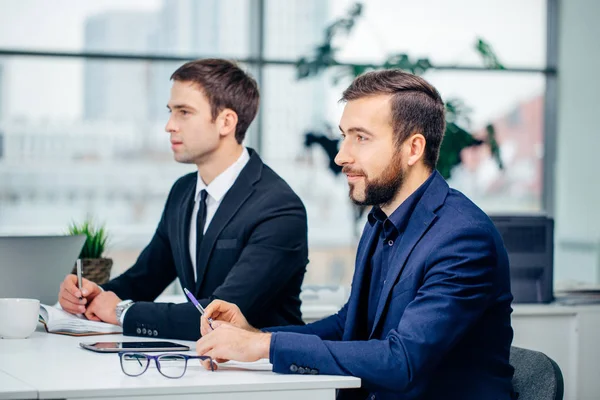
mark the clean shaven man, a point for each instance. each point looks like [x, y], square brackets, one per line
[232, 230]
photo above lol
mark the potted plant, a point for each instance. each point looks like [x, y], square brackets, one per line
[456, 137]
[95, 267]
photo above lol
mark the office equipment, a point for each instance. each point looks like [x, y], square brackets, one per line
[34, 266]
[529, 241]
[59, 321]
[146, 346]
[537, 376]
[197, 305]
[79, 282]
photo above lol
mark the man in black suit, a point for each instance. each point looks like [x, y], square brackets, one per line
[234, 230]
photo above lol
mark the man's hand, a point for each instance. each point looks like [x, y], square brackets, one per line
[223, 311]
[228, 342]
[73, 299]
[103, 308]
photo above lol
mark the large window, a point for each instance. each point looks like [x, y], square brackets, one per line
[84, 134]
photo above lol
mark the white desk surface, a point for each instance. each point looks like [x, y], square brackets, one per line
[552, 309]
[57, 367]
[12, 388]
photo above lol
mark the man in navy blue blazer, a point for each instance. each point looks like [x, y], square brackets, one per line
[429, 311]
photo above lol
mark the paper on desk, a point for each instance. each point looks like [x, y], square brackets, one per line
[260, 365]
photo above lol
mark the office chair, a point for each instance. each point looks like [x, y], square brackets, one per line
[537, 376]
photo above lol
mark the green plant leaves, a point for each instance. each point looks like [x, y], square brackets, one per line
[96, 238]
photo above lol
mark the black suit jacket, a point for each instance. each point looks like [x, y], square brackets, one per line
[254, 254]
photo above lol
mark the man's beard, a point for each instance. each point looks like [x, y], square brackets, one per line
[381, 191]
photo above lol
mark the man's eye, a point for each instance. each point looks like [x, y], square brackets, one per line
[361, 138]
[184, 112]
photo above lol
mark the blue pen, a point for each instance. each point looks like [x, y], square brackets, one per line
[198, 306]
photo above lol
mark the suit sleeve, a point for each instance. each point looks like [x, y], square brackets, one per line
[457, 285]
[153, 271]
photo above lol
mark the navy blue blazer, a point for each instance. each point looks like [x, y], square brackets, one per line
[254, 254]
[442, 326]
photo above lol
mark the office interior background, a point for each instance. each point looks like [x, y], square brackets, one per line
[84, 87]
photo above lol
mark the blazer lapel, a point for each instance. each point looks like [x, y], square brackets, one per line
[241, 190]
[362, 259]
[184, 248]
[420, 221]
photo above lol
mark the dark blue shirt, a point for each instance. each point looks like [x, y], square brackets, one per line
[390, 231]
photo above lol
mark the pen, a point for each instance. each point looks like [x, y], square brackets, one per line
[198, 306]
[79, 285]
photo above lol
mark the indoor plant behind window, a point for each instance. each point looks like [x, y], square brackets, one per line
[95, 267]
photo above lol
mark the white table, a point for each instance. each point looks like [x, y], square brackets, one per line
[56, 367]
[12, 388]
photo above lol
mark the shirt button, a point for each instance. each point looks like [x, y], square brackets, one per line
[390, 242]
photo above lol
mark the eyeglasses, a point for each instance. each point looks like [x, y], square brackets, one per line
[169, 365]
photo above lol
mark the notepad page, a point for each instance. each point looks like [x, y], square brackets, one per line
[59, 320]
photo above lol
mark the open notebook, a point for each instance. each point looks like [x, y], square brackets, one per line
[56, 320]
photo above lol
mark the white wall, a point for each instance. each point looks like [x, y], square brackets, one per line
[578, 144]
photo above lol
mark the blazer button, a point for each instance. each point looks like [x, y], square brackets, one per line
[372, 397]
[293, 368]
[138, 331]
[155, 332]
[143, 331]
[149, 332]
[314, 371]
[301, 370]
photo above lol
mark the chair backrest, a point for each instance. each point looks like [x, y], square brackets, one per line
[537, 376]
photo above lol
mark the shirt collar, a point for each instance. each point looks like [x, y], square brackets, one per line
[399, 218]
[225, 180]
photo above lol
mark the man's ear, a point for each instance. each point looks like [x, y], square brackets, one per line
[227, 122]
[416, 148]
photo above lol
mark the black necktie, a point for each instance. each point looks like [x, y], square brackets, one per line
[200, 221]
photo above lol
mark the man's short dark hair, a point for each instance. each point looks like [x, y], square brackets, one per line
[226, 86]
[417, 107]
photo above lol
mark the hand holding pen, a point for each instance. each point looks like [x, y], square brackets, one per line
[198, 306]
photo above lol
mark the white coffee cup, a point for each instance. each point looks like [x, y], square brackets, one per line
[18, 317]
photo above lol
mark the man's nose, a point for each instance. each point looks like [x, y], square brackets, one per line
[170, 127]
[343, 156]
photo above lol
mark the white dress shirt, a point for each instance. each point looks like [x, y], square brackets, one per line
[216, 190]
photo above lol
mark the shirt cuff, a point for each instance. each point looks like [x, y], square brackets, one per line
[123, 317]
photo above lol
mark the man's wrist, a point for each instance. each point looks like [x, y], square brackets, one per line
[265, 345]
[122, 309]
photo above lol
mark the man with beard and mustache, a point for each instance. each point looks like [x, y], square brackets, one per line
[429, 311]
